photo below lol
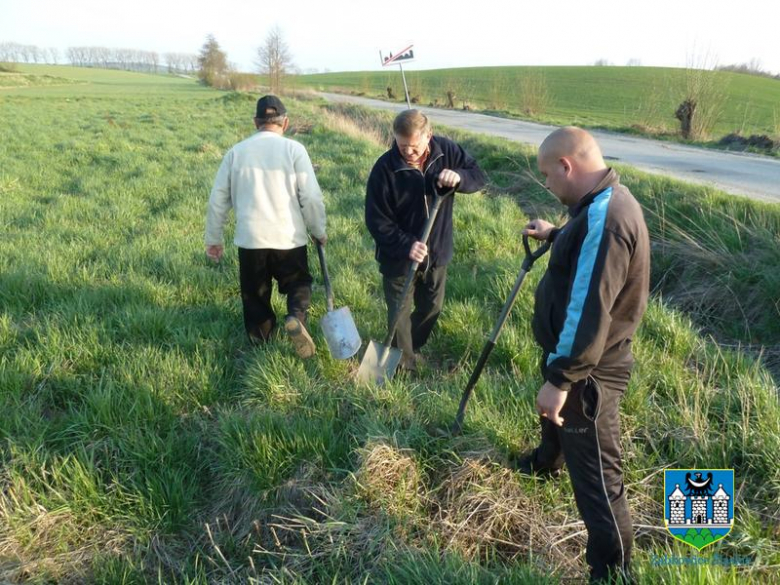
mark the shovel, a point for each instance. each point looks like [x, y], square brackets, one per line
[528, 262]
[381, 360]
[338, 327]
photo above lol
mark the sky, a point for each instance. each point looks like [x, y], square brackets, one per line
[346, 35]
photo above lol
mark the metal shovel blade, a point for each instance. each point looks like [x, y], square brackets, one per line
[340, 333]
[374, 369]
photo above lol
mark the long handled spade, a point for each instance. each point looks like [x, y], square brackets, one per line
[337, 325]
[381, 360]
[528, 262]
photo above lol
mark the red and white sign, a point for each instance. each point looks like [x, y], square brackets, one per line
[402, 56]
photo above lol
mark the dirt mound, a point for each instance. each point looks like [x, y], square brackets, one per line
[758, 141]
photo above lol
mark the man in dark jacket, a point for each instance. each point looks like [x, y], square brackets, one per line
[588, 306]
[399, 195]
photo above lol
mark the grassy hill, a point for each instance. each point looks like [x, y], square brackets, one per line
[101, 83]
[142, 439]
[640, 99]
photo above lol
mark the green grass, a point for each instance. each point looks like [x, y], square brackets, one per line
[17, 80]
[635, 99]
[142, 439]
[106, 83]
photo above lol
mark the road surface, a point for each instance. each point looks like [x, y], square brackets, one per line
[743, 174]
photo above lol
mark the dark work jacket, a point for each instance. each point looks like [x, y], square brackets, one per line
[399, 198]
[594, 293]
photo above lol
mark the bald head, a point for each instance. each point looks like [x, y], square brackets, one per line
[571, 161]
[574, 143]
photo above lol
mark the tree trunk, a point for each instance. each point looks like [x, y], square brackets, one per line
[685, 113]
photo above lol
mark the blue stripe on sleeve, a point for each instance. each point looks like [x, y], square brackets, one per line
[597, 215]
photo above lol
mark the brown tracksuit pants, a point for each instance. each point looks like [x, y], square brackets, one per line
[589, 443]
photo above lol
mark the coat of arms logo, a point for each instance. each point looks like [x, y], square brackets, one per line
[699, 505]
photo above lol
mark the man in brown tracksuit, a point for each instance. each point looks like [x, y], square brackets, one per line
[588, 306]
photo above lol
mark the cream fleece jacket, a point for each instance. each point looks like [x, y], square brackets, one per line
[269, 182]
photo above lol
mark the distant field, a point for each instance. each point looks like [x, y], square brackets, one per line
[105, 83]
[18, 80]
[143, 440]
[625, 98]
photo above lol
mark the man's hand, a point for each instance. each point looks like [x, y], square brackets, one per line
[418, 252]
[538, 229]
[549, 403]
[215, 252]
[447, 178]
[321, 240]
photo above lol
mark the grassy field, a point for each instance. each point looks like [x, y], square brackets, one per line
[142, 439]
[636, 99]
[104, 83]
[10, 79]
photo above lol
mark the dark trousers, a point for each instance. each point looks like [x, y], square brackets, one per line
[290, 268]
[589, 443]
[414, 328]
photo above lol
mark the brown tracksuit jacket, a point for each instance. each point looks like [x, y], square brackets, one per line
[594, 293]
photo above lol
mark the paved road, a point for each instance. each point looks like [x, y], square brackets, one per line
[744, 174]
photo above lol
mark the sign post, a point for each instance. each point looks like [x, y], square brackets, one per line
[406, 55]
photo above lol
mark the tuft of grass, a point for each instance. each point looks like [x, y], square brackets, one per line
[389, 478]
[348, 126]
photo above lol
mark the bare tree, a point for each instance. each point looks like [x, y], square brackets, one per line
[17, 53]
[191, 63]
[180, 62]
[72, 55]
[173, 61]
[6, 52]
[274, 59]
[154, 60]
[703, 94]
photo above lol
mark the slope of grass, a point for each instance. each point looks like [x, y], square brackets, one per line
[143, 439]
[13, 79]
[107, 83]
[620, 98]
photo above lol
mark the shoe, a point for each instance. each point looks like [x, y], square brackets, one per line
[302, 341]
[526, 465]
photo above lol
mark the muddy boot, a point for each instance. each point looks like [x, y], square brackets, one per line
[527, 464]
[302, 341]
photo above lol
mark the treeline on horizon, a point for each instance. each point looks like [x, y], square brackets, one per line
[173, 62]
[102, 57]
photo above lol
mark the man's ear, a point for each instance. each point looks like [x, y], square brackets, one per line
[566, 164]
[257, 123]
[285, 124]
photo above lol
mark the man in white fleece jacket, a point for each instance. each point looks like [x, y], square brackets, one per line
[269, 182]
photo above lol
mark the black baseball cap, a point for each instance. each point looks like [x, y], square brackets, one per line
[270, 106]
